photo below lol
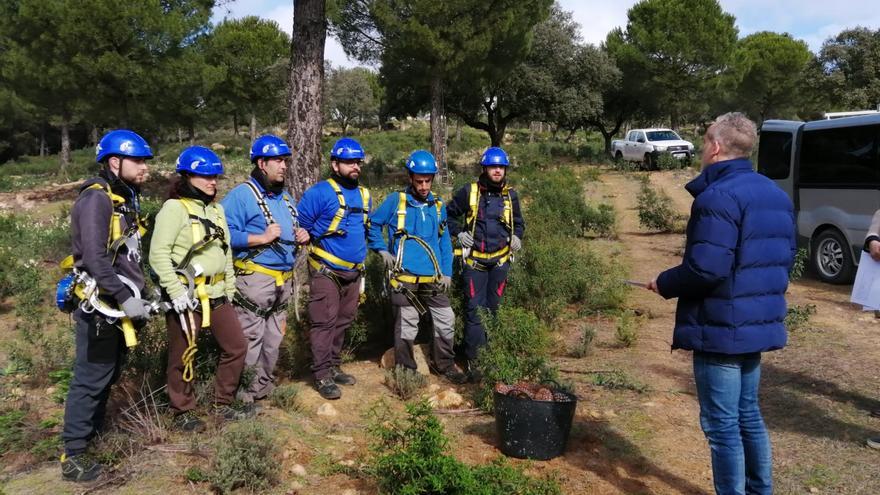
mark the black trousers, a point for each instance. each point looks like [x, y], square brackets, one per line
[100, 355]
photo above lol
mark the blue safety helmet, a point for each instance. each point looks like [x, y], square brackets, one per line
[421, 162]
[199, 160]
[122, 142]
[347, 149]
[268, 146]
[494, 157]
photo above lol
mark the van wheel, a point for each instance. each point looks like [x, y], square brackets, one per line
[618, 157]
[648, 163]
[831, 257]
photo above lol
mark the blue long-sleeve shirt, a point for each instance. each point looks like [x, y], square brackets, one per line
[245, 217]
[318, 206]
[422, 222]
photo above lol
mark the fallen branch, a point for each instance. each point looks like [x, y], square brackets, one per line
[474, 411]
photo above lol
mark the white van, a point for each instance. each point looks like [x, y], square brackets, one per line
[831, 171]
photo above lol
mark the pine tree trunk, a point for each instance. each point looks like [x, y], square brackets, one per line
[304, 117]
[235, 124]
[42, 140]
[458, 131]
[94, 140]
[253, 127]
[438, 126]
[179, 135]
[532, 125]
[65, 144]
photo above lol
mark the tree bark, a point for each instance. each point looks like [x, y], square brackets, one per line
[235, 123]
[65, 144]
[438, 125]
[458, 131]
[532, 126]
[253, 126]
[304, 117]
[42, 139]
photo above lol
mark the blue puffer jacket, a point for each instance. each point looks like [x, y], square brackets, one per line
[422, 222]
[734, 273]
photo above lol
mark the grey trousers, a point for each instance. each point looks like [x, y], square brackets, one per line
[406, 326]
[263, 335]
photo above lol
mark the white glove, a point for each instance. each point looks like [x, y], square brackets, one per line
[465, 239]
[136, 308]
[388, 259]
[515, 244]
[181, 304]
[445, 283]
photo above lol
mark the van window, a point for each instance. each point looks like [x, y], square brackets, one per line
[774, 154]
[841, 156]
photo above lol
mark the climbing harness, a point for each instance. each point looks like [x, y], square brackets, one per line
[397, 276]
[318, 257]
[476, 259]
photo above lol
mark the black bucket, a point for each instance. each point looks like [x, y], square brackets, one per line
[533, 429]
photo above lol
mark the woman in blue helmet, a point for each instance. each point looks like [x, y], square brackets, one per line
[190, 254]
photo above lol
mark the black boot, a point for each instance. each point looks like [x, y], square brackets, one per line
[473, 372]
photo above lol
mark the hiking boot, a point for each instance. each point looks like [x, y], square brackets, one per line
[341, 378]
[474, 374]
[80, 468]
[235, 411]
[188, 422]
[452, 375]
[875, 413]
[327, 388]
[874, 442]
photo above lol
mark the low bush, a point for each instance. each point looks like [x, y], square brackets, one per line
[627, 330]
[800, 264]
[798, 317]
[246, 458]
[656, 211]
[618, 380]
[286, 398]
[518, 351]
[411, 457]
[584, 345]
[404, 382]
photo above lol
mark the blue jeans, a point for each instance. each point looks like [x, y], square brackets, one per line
[727, 388]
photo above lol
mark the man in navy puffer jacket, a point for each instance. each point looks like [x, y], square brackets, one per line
[731, 287]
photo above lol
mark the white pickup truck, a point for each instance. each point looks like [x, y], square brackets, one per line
[645, 145]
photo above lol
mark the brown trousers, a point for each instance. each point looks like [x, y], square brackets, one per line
[332, 308]
[233, 348]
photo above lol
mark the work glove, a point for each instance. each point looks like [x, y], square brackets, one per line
[136, 308]
[465, 239]
[181, 304]
[445, 283]
[515, 244]
[388, 259]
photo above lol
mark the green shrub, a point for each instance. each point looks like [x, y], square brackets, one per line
[286, 397]
[800, 264]
[404, 382]
[655, 210]
[12, 430]
[666, 161]
[61, 378]
[246, 458]
[627, 330]
[618, 380]
[584, 345]
[798, 317]
[518, 350]
[411, 457]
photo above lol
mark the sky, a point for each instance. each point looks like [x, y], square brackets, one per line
[810, 20]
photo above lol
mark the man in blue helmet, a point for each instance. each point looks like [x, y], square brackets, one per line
[418, 257]
[106, 244]
[491, 233]
[264, 234]
[335, 212]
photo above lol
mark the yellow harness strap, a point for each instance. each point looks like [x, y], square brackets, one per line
[506, 220]
[247, 267]
[201, 282]
[316, 253]
[401, 232]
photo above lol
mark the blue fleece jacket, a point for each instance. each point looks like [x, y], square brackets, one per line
[422, 222]
[245, 217]
[733, 276]
[316, 209]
